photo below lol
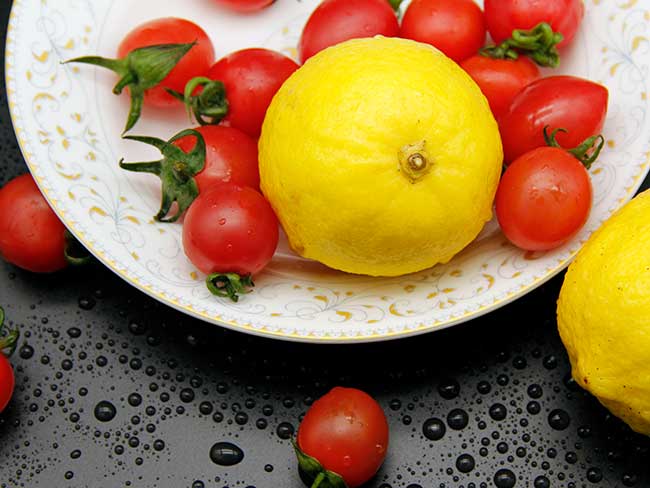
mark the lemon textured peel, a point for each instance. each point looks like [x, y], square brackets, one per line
[381, 157]
[604, 314]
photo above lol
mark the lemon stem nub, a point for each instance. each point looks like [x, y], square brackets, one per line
[414, 162]
[417, 162]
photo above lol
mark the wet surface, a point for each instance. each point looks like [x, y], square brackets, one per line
[116, 390]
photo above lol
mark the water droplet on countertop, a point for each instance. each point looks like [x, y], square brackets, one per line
[434, 429]
[457, 419]
[594, 475]
[449, 389]
[105, 411]
[498, 411]
[465, 463]
[187, 395]
[542, 482]
[533, 407]
[87, 303]
[630, 479]
[74, 332]
[559, 419]
[504, 478]
[226, 454]
[284, 430]
[26, 351]
[483, 387]
[137, 327]
[550, 362]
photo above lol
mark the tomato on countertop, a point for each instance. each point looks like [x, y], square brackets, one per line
[342, 438]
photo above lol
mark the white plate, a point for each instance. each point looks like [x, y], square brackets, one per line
[68, 124]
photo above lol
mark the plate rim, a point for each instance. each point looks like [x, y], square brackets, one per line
[247, 328]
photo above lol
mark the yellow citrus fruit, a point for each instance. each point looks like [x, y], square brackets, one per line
[604, 314]
[380, 156]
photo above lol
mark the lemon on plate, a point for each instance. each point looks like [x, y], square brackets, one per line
[604, 314]
[380, 156]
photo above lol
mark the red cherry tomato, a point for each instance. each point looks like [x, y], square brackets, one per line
[543, 199]
[504, 16]
[335, 21]
[172, 30]
[347, 432]
[230, 229]
[245, 5]
[251, 78]
[31, 235]
[7, 381]
[456, 27]
[574, 104]
[230, 157]
[501, 80]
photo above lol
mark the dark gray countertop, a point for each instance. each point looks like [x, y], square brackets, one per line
[179, 386]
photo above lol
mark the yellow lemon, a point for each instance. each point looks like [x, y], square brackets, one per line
[604, 314]
[381, 157]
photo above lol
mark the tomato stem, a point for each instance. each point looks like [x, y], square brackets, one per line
[314, 470]
[539, 43]
[395, 4]
[229, 285]
[10, 340]
[176, 171]
[75, 253]
[210, 105]
[319, 479]
[587, 152]
[140, 70]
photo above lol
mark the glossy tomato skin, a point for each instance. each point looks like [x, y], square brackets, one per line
[346, 430]
[7, 382]
[230, 157]
[456, 27]
[574, 104]
[335, 21]
[245, 6]
[31, 235]
[504, 16]
[544, 199]
[230, 229]
[251, 78]
[501, 80]
[171, 30]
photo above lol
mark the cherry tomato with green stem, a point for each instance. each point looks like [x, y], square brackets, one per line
[456, 27]
[154, 58]
[501, 80]
[545, 196]
[230, 233]
[230, 157]
[240, 88]
[171, 30]
[245, 6]
[574, 104]
[196, 160]
[342, 439]
[336, 21]
[505, 16]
